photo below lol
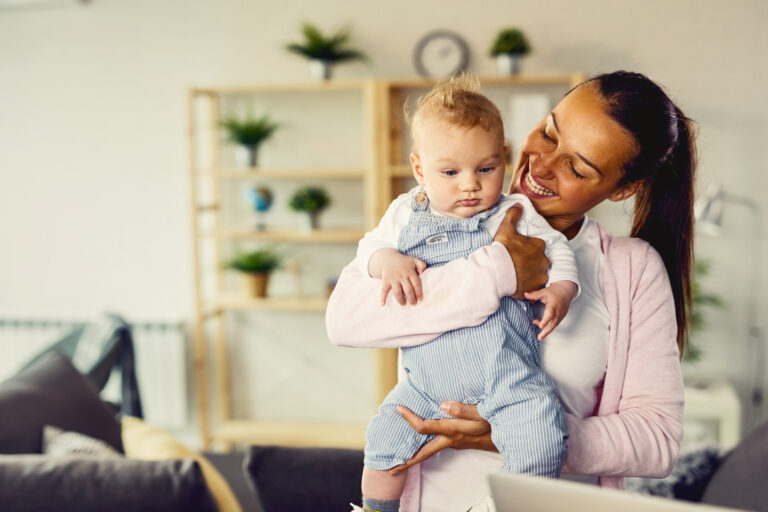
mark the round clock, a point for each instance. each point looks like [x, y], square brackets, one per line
[440, 54]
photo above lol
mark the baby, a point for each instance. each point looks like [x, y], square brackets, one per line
[459, 163]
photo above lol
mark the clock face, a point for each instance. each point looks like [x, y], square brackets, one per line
[441, 54]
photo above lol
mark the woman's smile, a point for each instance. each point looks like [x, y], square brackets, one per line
[531, 187]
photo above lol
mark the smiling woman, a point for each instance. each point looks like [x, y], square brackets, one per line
[615, 356]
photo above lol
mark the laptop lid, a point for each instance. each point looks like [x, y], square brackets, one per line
[525, 493]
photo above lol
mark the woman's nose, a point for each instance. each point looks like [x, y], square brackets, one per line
[542, 166]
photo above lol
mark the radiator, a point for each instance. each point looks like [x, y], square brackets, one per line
[161, 361]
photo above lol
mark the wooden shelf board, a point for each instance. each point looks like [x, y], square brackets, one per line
[555, 79]
[276, 235]
[287, 304]
[329, 85]
[291, 434]
[286, 174]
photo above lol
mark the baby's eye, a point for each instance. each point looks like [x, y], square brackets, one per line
[450, 172]
[486, 170]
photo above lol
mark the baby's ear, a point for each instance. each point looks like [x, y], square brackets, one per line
[418, 172]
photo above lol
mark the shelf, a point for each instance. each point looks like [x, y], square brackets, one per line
[291, 434]
[277, 235]
[283, 174]
[329, 85]
[286, 304]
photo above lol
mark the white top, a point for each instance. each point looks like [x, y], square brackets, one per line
[573, 357]
[387, 233]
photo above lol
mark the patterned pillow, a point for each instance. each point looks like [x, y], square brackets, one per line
[60, 442]
[687, 480]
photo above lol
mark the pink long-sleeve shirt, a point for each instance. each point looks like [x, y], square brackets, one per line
[637, 427]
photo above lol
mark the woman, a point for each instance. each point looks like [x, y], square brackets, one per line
[615, 357]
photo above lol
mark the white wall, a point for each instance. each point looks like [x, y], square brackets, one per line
[94, 207]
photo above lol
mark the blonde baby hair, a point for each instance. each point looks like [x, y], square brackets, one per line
[457, 101]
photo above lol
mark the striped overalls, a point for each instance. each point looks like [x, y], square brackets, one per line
[495, 365]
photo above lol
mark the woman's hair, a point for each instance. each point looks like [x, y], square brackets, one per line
[457, 101]
[665, 165]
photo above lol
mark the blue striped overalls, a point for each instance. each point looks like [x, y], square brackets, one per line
[495, 365]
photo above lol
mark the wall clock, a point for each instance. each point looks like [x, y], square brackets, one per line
[440, 54]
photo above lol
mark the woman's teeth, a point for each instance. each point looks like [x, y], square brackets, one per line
[536, 187]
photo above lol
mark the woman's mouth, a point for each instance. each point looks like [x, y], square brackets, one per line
[531, 188]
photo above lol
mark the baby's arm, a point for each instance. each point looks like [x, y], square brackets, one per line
[378, 256]
[563, 275]
[399, 274]
[557, 299]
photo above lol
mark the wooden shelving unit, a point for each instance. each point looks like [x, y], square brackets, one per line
[382, 177]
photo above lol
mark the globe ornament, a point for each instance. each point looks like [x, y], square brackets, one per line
[261, 199]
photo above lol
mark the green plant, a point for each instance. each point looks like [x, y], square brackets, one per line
[701, 300]
[249, 132]
[255, 262]
[317, 46]
[510, 40]
[310, 199]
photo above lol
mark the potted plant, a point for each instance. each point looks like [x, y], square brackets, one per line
[311, 201]
[701, 300]
[256, 267]
[323, 52]
[249, 133]
[510, 44]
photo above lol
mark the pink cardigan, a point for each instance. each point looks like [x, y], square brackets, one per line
[638, 425]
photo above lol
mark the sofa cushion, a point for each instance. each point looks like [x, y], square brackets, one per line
[62, 442]
[39, 483]
[147, 442]
[50, 391]
[316, 479]
[740, 481]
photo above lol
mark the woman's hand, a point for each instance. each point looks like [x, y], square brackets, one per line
[467, 430]
[527, 253]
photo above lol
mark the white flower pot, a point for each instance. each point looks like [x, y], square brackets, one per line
[246, 157]
[320, 70]
[508, 63]
[308, 222]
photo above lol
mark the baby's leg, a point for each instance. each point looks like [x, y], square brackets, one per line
[391, 441]
[382, 485]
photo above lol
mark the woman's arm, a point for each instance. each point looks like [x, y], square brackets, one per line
[461, 293]
[643, 437]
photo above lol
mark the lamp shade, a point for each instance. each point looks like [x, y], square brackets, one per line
[708, 210]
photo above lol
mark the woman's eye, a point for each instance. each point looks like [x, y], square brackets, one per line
[575, 172]
[544, 134]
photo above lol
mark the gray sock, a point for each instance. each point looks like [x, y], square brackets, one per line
[371, 505]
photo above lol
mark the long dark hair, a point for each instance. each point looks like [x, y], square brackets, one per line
[665, 166]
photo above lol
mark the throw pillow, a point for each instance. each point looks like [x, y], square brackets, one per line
[50, 391]
[316, 479]
[39, 483]
[58, 442]
[143, 441]
[687, 480]
[740, 481]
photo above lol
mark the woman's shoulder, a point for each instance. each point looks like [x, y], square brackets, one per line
[628, 251]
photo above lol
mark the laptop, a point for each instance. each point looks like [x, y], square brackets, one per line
[525, 493]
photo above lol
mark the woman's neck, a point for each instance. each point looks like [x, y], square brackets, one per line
[568, 226]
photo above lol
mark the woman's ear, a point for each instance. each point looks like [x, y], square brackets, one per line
[418, 172]
[625, 191]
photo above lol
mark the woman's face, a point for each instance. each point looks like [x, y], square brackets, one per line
[573, 160]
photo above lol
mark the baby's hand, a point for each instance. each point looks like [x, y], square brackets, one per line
[400, 275]
[557, 299]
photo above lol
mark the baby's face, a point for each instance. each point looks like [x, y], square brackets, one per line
[461, 169]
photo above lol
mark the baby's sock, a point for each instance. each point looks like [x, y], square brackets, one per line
[371, 505]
